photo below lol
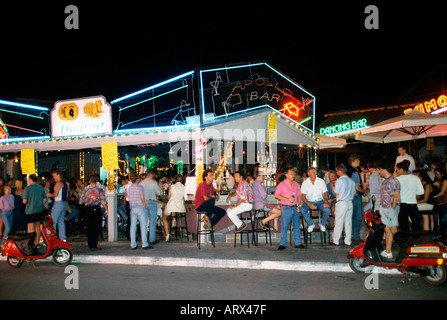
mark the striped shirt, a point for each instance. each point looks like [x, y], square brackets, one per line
[244, 192]
[134, 193]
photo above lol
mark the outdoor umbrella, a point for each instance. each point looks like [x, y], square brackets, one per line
[411, 126]
[325, 142]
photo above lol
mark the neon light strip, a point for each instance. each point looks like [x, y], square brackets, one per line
[153, 87]
[307, 119]
[22, 114]
[240, 111]
[124, 125]
[160, 95]
[440, 110]
[10, 125]
[154, 129]
[24, 139]
[292, 82]
[22, 105]
[234, 67]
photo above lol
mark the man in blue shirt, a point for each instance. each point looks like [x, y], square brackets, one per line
[138, 212]
[357, 215]
[344, 191]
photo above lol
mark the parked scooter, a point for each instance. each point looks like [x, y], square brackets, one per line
[420, 252]
[21, 247]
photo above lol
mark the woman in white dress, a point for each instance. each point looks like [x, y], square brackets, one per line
[176, 198]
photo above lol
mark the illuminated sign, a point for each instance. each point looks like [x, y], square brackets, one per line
[165, 104]
[433, 106]
[81, 117]
[343, 128]
[3, 130]
[292, 110]
[237, 89]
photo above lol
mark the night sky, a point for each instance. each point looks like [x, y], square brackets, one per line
[118, 50]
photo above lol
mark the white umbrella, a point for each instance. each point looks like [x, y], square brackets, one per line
[410, 126]
[325, 142]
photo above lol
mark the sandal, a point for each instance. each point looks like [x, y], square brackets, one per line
[264, 226]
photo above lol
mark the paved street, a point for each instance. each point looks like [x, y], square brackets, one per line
[121, 282]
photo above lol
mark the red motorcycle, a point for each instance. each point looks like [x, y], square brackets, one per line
[21, 247]
[419, 252]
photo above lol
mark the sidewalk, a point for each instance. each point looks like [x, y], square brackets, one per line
[315, 257]
[186, 254]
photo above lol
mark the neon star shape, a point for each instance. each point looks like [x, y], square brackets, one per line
[292, 109]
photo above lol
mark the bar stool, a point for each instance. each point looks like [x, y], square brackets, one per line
[257, 226]
[246, 217]
[203, 231]
[159, 228]
[435, 215]
[178, 228]
[317, 214]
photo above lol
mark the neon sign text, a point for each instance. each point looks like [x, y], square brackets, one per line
[237, 89]
[430, 106]
[344, 127]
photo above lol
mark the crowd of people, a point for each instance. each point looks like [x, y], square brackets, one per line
[406, 197]
[402, 193]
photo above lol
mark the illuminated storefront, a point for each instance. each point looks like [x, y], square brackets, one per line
[428, 96]
[174, 111]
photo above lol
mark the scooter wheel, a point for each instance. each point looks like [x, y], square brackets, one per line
[437, 275]
[62, 256]
[356, 265]
[15, 262]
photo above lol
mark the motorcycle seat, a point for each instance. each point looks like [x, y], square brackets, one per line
[21, 236]
[405, 239]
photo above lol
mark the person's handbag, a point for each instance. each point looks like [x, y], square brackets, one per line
[442, 199]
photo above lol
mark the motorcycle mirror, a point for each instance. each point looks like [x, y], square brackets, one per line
[373, 199]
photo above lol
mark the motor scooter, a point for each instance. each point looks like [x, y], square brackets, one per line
[21, 247]
[422, 253]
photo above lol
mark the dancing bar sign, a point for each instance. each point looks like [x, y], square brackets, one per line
[345, 127]
[81, 117]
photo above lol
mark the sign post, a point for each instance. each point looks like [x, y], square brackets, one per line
[109, 155]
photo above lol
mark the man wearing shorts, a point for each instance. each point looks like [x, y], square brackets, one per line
[389, 199]
[34, 198]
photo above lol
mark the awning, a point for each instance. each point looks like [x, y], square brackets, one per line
[79, 143]
[325, 142]
[252, 127]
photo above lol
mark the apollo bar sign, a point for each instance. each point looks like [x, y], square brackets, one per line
[81, 117]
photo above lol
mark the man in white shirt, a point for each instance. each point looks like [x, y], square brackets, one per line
[315, 196]
[344, 191]
[410, 187]
[403, 155]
